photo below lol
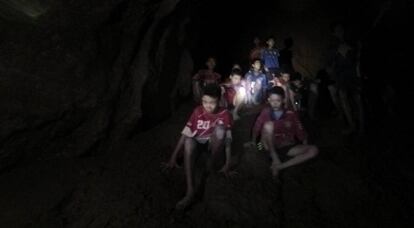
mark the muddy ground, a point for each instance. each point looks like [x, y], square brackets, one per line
[345, 186]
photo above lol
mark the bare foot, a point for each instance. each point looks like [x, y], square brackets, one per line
[275, 169]
[184, 202]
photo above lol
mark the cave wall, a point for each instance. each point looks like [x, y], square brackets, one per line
[72, 76]
[76, 76]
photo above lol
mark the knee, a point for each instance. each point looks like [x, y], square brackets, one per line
[313, 151]
[268, 128]
[314, 88]
[219, 132]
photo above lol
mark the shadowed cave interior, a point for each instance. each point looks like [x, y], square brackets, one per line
[94, 95]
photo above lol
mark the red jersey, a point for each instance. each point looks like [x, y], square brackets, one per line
[287, 128]
[255, 53]
[207, 76]
[201, 124]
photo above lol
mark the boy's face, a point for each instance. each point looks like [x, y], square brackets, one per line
[285, 77]
[256, 41]
[235, 79]
[257, 65]
[297, 83]
[275, 101]
[211, 63]
[209, 103]
[270, 42]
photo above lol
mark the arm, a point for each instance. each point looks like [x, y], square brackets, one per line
[258, 126]
[263, 54]
[173, 159]
[292, 99]
[228, 151]
[248, 88]
[196, 90]
[300, 131]
[188, 131]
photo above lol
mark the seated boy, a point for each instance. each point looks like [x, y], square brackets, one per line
[234, 93]
[209, 128]
[205, 77]
[279, 130]
[284, 82]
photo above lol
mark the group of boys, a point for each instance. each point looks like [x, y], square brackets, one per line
[277, 127]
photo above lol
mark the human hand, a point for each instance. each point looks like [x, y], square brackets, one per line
[166, 166]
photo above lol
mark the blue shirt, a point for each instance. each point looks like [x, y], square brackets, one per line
[253, 76]
[270, 58]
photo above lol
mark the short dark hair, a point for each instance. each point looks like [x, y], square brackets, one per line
[276, 90]
[296, 76]
[270, 38]
[236, 71]
[283, 71]
[212, 90]
[257, 59]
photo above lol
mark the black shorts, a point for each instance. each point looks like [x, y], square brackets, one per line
[282, 152]
[202, 147]
[203, 156]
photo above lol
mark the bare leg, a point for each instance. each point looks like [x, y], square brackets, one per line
[334, 96]
[268, 143]
[216, 145]
[300, 154]
[238, 103]
[189, 147]
[347, 109]
[313, 97]
[361, 112]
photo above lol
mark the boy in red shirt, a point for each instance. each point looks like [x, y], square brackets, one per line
[234, 93]
[282, 133]
[209, 127]
[284, 82]
[205, 77]
[256, 52]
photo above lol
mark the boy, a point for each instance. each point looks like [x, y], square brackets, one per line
[279, 129]
[284, 82]
[256, 83]
[270, 58]
[209, 128]
[234, 93]
[256, 52]
[300, 90]
[205, 77]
